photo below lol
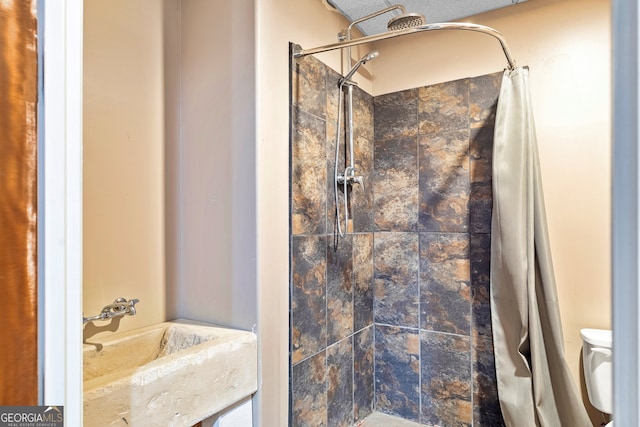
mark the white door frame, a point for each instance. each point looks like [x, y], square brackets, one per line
[625, 213]
[61, 216]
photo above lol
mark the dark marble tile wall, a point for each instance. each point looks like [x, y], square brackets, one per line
[446, 379]
[363, 366]
[396, 315]
[432, 219]
[445, 289]
[397, 371]
[396, 279]
[331, 284]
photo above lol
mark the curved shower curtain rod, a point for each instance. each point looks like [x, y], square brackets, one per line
[298, 51]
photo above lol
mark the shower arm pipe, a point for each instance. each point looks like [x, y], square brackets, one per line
[347, 35]
[298, 51]
[373, 15]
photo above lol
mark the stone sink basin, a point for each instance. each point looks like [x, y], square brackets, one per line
[174, 373]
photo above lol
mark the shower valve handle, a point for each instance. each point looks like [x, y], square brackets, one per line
[358, 180]
[350, 178]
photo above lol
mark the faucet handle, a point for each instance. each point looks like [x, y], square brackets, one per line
[132, 306]
[360, 180]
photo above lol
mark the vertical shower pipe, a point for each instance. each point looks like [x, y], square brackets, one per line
[349, 171]
[337, 177]
[349, 176]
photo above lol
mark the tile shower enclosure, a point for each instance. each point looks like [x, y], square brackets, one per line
[396, 316]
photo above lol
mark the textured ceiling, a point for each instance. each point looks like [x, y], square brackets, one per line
[433, 10]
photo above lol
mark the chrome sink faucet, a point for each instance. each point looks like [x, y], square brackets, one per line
[120, 307]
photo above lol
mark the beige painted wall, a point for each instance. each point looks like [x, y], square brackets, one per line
[123, 158]
[566, 44]
[169, 160]
[214, 226]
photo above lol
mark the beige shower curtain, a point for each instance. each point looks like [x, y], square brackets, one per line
[534, 383]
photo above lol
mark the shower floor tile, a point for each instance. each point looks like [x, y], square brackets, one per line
[378, 419]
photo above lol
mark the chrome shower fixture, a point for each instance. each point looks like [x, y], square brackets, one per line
[406, 20]
[402, 21]
[348, 177]
[368, 57]
[345, 41]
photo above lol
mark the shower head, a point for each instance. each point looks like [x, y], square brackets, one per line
[406, 20]
[368, 57]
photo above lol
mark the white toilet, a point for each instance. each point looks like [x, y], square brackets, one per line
[597, 358]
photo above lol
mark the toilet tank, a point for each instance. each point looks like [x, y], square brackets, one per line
[597, 358]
